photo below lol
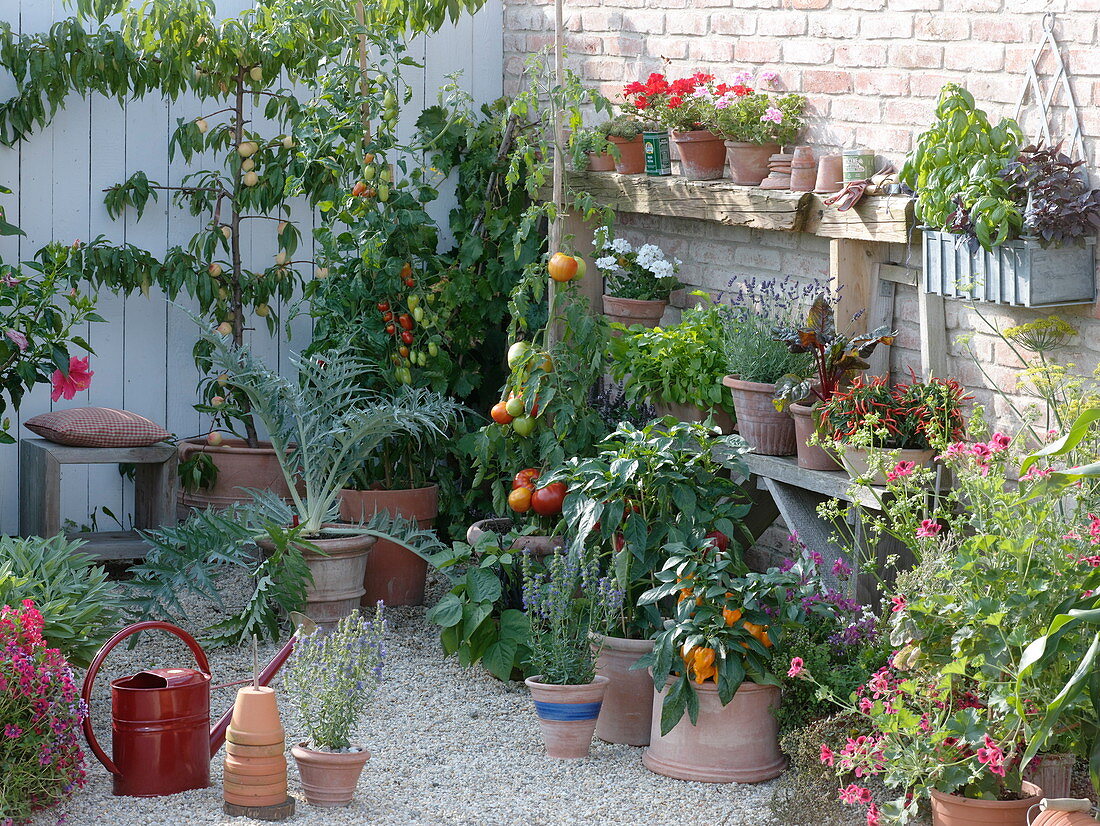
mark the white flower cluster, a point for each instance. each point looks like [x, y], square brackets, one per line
[648, 257]
[652, 258]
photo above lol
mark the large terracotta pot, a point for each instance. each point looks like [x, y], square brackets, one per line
[337, 575]
[329, 778]
[748, 162]
[537, 546]
[769, 431]
[601, 162]
[702, 154]
[630, 311]
[567, 715]
[1053, 773]
[627, 712]
[811, 457]
[857, 461]
[737, 743]
[691, 413]
[631, 155]
[239, 466]
[394, 574]
[953, 810]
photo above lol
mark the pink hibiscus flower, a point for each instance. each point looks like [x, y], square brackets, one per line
[78, 378]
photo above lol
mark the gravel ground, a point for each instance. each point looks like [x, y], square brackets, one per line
[449, 746]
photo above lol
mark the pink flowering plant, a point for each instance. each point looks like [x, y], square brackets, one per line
[41, 762]
[748, 111]
[40, 314]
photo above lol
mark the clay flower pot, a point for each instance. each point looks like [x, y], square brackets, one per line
[254, 773]
[953, 810]
[537, 546]
[748, 162]
[337, 575]
[393, 574]
[239, 467]
[630, 311]
[857, 461]
[691, 413]
[769, 431]
[627, 712]
[811, 457]
[329, 778]
[631, 155]
[567, 715]
[702, 154]
[1054, 817]
[1053, 773]
[601, 162]
[736, 743]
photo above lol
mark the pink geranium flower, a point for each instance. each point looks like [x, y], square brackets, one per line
[900, 471]
[827, 756]
[899, 604]
[999, 442]
[772, 115]
[855, 794]
[872, 816]
[928, 529]
[18, 339]
[992, 757]
[797, 667]
[78, 378]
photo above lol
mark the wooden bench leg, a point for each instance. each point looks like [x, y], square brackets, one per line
[39, 491]
[155, 490]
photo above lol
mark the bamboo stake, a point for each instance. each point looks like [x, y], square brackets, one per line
[553, 331]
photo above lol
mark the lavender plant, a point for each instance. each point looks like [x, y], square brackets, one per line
[758, 309]
[332, 675]
[562, 622]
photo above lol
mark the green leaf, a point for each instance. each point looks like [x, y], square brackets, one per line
[447, 612]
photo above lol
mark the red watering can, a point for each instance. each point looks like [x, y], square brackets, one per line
[161, 740]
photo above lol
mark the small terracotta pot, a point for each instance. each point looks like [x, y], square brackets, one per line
[1052, 817]
[240, 794]
[953, 810]
[537, 546]
[736, 743]
[627, 712]
[631, 155]
[337, 575]
[769, 431]
[857, 461]
[748, 162]
[631, 311]
[601, 162]
[254, 766]
[830, 174]
[239, 467]
[329, 778]
[691, 413]
[702, 154]
[1053, 773]
[255, 720]
[393, 574]
[811, 457]
[261, 752]
[567, 715]
[803, 170]
[268, 780]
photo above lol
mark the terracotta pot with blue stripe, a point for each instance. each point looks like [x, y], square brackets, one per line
[567, 715]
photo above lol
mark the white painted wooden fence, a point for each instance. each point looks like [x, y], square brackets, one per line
[142, 358]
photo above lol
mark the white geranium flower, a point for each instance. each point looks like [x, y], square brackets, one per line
[661, 269]
[608, 263]
[620, 246]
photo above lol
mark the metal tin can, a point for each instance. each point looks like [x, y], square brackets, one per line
[859, 164]
[658, 156]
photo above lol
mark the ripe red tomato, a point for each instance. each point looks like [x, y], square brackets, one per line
[387, 316]
[526, 478]
[719, 540]
[405, 320]
[407, 337]
[383, 306]
[500, 416]
[390, 329]
[407, 271]
[562, 267]
[547, 501]
[359, 189]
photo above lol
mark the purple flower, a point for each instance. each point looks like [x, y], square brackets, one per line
[841, 568]
[12, 731]
[768, 76]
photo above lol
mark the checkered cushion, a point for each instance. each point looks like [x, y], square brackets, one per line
[97, 427]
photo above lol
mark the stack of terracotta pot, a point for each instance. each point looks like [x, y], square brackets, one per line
[779, 172]
[255, 761]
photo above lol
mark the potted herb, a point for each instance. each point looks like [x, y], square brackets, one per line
[686, 107]
[755, 360]
[625, 131]
[677, 368]
[715, 663]
[874, 425]
[567, 691]
[836, 356]
[1002, 224]
[754, 124]
[331, 677]
[647, 487]
[591, 150]
[637, 281]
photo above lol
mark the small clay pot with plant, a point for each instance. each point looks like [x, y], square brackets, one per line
[625, 132]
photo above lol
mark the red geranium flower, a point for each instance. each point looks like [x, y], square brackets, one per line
[675, 102]
[722, 88]
[634, 88]
[741, 91]
[684, 86]
[641, 102]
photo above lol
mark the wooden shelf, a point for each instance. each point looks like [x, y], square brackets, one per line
[834, 484]
[881, 218]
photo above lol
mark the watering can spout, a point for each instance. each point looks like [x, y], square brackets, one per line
[303, 627]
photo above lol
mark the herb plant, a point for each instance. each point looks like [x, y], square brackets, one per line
[1060, 207]
[561, 624]
[681, 363]
[758, 309]
[644, 273]
[626, 127]
[41, 760]
[332, 675]
[585, 142]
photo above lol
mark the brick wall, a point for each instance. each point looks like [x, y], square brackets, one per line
[872, 70]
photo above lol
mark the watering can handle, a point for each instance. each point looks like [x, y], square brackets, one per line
[101, 655]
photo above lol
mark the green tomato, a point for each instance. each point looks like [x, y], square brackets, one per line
[523, 425]
[383, 193]
[369, 171]
[414, 302]
[517, 352]
[418, 313]
[385, 174]
[433, 349]
[514, 406]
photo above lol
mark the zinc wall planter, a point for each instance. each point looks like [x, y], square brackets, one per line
[1018, 273]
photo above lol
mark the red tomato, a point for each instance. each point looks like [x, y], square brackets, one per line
[390, 329]
[547, 501]
[405, 320]
[387, 316]
[525, 479]
[719, 540]
[383, 306]
[500, 416]
[407, 337]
